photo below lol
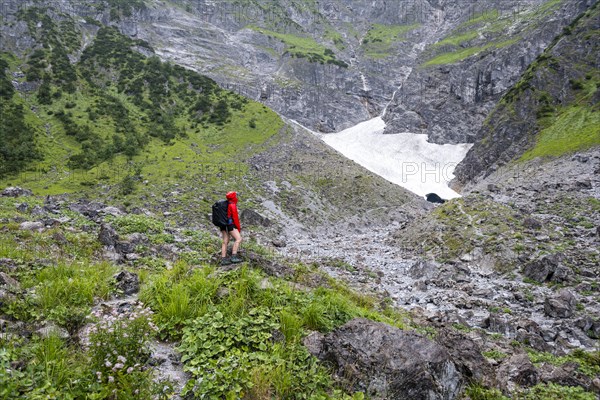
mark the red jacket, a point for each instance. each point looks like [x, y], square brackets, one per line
[232, 211]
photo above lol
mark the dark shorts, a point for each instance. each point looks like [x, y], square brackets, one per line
[228, 228]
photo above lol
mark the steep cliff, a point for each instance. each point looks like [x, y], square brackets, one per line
[551, 111]
[459, 79]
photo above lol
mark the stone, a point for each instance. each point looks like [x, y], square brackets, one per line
[542, 270]
[314, 343]
[583, 184]
[423, 270]
[466, 354]
[532, 223]
[251, 217]
[53, 330]
[8, 263]
[31, 226]
[127, 282]
[517, 370]
[561, 305]
[500, 323]
[279, 243]
[590, 326]
[22, 207]
[89, 209]
[124, 247]
[114, 211]
[15, 191]
[6, 280]
[493, 188]
[108, 236]
[388, 363]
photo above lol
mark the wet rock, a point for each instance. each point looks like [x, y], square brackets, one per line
[15, 191]
[31, 226]
[542, 270]
[251, 217]
[388, 363]
[517, 370]
[466, 354]
[434, 198]
[590, 326]
[108, 236]
[561, 305]
[127, 282]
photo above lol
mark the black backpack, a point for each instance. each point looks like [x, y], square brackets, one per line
[219, 213]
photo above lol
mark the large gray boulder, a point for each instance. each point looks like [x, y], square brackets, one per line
[13, 191]
[388, 363]
[561, 305]
[545, 269]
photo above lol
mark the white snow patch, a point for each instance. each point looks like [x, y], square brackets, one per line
[406, 159]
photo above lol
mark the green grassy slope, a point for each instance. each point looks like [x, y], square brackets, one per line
[114, 112]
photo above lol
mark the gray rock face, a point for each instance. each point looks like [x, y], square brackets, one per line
[562, 305]
[388, 363]
[511, 128]
[449, 100]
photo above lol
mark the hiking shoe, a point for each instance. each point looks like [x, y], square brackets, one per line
[226, 261]
[235, 259]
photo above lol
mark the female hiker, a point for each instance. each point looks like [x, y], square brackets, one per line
[232, 228]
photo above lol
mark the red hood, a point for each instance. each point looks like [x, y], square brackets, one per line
[232, 197]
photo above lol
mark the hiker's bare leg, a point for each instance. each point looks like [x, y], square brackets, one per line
[225, 235]
[238, 240]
